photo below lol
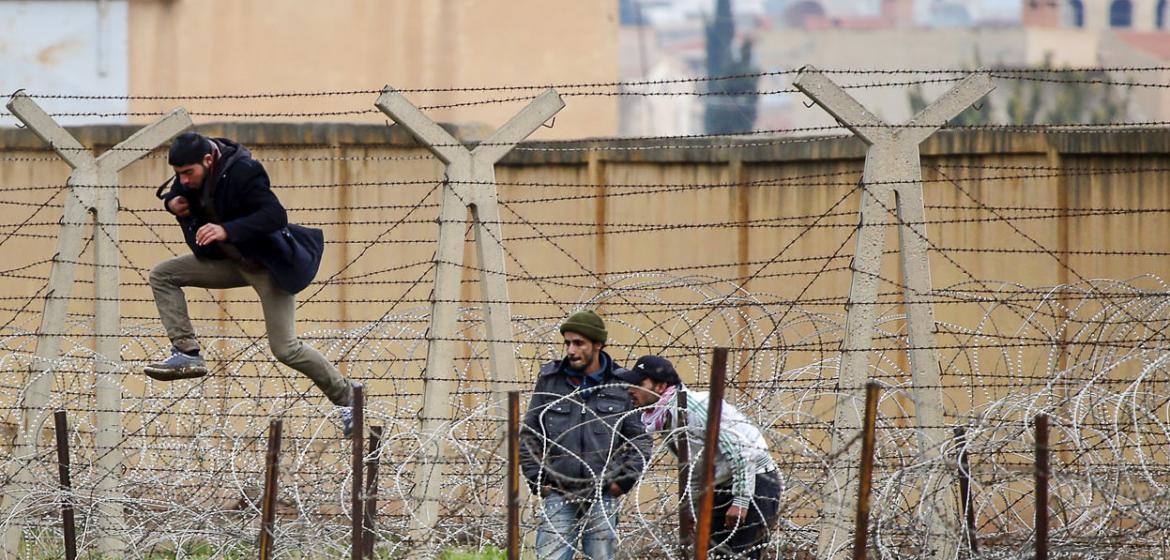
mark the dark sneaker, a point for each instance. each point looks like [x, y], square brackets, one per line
[346, 414]
[178, 366]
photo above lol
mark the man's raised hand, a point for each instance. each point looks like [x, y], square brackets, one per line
[179, 207]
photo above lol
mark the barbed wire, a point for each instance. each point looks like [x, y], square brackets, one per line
[802, 181]
[1089, 352]
[1006, 73]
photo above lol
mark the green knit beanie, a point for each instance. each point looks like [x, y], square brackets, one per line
[587, 324]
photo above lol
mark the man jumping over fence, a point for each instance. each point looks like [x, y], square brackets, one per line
[239, 236]
[747, 485]
[582, 447]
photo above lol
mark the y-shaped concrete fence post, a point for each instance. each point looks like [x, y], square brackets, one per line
[470, 185]
[92, 189]
[892, 178]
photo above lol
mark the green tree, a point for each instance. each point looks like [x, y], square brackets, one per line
[1045, 96]
[733, 105]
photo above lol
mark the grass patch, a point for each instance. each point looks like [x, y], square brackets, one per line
[487, 553]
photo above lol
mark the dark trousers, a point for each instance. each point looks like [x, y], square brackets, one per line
[749, 538]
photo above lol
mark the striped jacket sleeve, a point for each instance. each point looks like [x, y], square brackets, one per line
[730, 445]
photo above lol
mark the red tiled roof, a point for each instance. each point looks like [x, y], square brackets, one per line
[1155, 43]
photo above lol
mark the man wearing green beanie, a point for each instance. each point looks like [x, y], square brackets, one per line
[582, 447]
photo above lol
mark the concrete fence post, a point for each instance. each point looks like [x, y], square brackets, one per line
[92, 190]
[470, 186]
[892, 179]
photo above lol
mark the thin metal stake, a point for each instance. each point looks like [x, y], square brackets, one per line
[67, 523]
[271, 487]
[865, 485]
[1042, 487]
[358, 403]
[686, 514]
[513, 489]
[714, 414]
[371, 506]
[965, 504]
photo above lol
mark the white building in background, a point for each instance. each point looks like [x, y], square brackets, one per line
[662, 115]
[673, 12]
[896, 13]
[829, 8]
[66, 47]
[916, 35]
[1134, 15]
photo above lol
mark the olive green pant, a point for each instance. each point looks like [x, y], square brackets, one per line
[168, 279]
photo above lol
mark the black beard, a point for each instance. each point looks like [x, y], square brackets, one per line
[206, 174]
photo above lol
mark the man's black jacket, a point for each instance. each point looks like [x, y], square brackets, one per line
[236, 194]
[574, 439]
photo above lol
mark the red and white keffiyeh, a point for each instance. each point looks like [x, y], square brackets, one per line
[655, 418]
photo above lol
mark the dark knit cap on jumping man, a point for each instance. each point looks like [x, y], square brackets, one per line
[588, 324]
[188, 149]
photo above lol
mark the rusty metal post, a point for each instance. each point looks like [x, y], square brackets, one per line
[1042, 487]
[67, 523]
[865, 485]
[358, 404]
[686, 512]
[370, 509]
[710, 445]
[965, 491]
[513, 488]
[271, 488]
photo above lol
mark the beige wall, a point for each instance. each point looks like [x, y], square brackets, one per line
[210, 47]
[785, 238]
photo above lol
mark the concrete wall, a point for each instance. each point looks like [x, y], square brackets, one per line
[207, 47]
[160, 48]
